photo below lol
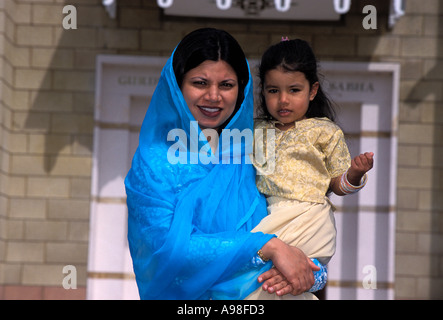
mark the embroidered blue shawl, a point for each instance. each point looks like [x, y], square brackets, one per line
[189, 221]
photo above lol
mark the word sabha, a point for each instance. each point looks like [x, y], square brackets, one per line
[225, 309]
[350, 86]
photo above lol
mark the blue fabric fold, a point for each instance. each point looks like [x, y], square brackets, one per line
[189, 222]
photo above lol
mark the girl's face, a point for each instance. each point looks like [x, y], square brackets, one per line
[210, 91]
[287, 95]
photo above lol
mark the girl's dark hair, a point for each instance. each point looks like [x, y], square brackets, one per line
[291, 56]
[211, 44]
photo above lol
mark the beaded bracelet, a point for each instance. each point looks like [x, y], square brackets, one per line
[262, 256]
[347, 188]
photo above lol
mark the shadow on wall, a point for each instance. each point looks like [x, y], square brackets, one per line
[61, 113]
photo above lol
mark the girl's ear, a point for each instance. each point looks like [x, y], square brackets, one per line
[314, 90]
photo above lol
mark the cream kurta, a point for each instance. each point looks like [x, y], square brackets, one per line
[306, 158]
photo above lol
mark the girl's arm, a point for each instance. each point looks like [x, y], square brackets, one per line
[359, 166]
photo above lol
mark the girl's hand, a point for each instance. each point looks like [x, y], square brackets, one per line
[359, 166]
[275, 282]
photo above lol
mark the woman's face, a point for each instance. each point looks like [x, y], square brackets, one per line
[210, 91]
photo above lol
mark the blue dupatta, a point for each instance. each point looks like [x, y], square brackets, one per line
[189, 221]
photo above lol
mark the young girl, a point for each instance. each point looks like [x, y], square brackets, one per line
[311, 158]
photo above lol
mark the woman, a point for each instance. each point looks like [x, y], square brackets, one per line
[189, 218]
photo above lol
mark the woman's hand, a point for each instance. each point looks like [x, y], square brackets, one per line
[293, 273]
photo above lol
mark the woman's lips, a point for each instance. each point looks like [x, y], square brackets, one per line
[211, 112]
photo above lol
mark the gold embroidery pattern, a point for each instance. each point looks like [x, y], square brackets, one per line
[306, 158]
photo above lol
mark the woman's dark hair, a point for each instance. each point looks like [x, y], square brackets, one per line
[291, 56]
[211, 44]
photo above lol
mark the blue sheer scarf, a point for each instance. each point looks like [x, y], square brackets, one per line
[189, 219]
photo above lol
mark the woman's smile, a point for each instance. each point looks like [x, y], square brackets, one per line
[211, 112]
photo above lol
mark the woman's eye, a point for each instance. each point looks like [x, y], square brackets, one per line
[227, 85]
[272, 91]
[199, 83]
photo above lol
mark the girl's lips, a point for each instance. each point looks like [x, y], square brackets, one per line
[284, 112]
[211, 112]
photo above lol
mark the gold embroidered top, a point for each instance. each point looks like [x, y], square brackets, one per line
[304, 160]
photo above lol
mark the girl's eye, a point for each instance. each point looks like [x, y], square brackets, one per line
[272, 90]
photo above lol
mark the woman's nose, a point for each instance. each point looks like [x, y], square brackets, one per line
[213, 94]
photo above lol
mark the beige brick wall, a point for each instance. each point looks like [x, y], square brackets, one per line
[46, 120]
[6, 25]
[3, 177]
[419, 244]
[46, 126]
